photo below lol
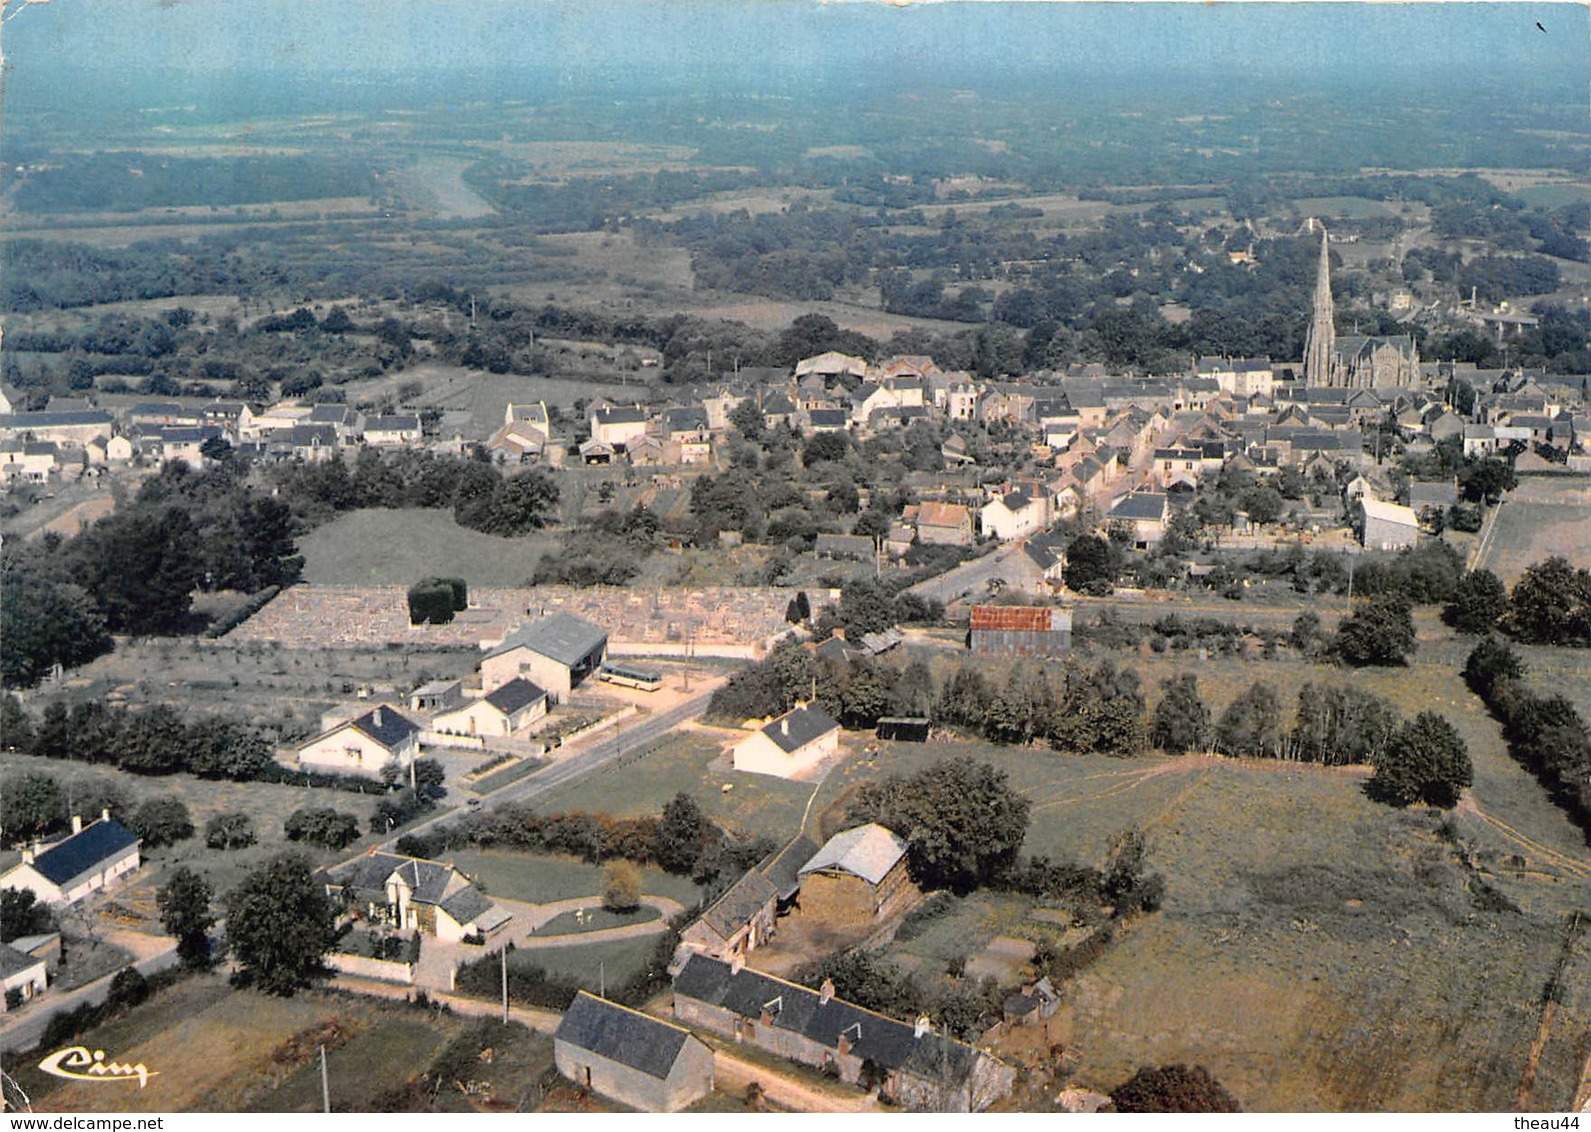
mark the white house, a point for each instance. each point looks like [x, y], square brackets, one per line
[1389, 526]
[790, 745]
[1014, 515]
[21, 975]
[89, 860]
[621, 424]
[411, 893]
[555, 652]
[502, 711]
[392, 431]
[364, 745]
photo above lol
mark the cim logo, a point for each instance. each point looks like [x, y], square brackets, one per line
[76, 1063]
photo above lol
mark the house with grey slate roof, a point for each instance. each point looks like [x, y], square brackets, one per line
[92, 858]
[788, 746]
[412, 894]
[631, 1057]
[363, 745]
[502, 711]
[555, 653]
[745, 916]
[908, 1063]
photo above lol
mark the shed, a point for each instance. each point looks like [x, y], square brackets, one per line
[1020, 630]
[856, 874]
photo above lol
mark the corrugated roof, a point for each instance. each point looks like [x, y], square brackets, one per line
[868, 851]
[562, 637]
[625, 1036]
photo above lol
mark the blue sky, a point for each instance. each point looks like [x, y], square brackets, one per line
[596, 40]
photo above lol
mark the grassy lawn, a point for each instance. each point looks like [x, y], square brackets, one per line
[497, 779]
[267, 804]
[593, 966]
[595, 920]
[402, 1047]
[382, 547]
[543, 879]
[755, 805]
[255, 683]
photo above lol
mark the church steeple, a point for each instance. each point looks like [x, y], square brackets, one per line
[1322, 330]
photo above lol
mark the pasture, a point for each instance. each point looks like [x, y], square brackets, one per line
[399, 547]
[1544, 516]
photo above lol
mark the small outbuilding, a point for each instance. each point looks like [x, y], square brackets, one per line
[858, 874]
[631, 1057]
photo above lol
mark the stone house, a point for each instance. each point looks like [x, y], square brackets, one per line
[631, 1057]
[908, 1064]
[412, 894]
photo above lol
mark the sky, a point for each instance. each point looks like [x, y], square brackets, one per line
[742, 44]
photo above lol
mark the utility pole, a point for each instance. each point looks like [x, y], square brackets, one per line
[502, 955]
[325, 1085]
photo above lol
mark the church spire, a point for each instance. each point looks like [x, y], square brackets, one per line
[1322, 331]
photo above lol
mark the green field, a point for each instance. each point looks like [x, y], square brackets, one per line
[756, 805]
[595, 920]
[399, 547]
[541, 879]
[594, 966]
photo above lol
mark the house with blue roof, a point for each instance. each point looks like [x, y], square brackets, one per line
[92, 858]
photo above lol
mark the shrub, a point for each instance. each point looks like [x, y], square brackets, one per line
[323, 826]
[230, 831]
[430, 603]
[621, 887]
[162, 821]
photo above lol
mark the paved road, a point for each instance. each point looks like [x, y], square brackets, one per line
[587, 757]
[22, 1030]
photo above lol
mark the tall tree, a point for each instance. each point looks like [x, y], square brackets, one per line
[184, 904]
[280, 924]
[962, 822]
[1427, 761]
[1379, 632]
[1182, 718]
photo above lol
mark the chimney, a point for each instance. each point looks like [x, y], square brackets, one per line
[784, 726]
[922, 1026]
[375, 717]
[104, 815]
[77, 824]
[29, 852]
[825, 992]
[736, 962]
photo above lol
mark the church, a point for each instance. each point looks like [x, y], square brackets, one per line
[1354, 361]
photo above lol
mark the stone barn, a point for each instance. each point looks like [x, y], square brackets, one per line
[859, 874]
[907, 1063]
[630, 1057]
